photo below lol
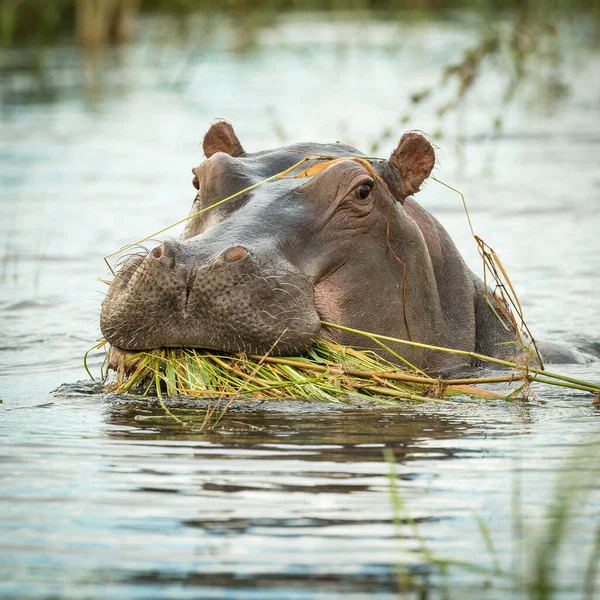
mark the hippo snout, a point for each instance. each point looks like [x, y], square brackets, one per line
[232, 299]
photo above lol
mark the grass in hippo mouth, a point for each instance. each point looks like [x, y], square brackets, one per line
[328, 372]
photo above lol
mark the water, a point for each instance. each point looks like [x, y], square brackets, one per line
[104, 497]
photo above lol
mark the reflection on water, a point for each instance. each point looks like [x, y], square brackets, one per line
[296, 496]
[102, 497]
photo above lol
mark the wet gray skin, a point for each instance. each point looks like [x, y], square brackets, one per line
[260, 272]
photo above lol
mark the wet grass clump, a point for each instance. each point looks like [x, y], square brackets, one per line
[328, 372]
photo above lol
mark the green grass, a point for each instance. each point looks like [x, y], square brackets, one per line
[328, 372]
[534, 564]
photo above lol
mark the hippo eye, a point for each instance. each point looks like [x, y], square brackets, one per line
[363, 191]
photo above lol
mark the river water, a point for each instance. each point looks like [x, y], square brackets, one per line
[109, 497]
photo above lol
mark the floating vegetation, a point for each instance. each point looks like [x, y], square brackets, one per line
[328, 372]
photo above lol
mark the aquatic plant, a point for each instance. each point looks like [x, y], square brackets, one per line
[523, 44]
[329, 372]
[533, 569]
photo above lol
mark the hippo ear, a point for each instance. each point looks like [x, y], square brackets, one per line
[413, 159]
[221, 138]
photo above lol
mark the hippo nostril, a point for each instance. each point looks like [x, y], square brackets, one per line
[234, 254]
[165, 253]
[195, 180]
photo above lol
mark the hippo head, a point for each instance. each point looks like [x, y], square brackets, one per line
[328, 241]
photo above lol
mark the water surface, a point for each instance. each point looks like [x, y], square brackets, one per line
[105, 497]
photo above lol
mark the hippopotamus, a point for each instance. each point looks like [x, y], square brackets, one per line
[338, 239]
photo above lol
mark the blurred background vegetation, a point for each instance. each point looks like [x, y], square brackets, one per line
[93, 23]
[522, 42]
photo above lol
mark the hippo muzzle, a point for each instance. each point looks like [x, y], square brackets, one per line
[233, 300]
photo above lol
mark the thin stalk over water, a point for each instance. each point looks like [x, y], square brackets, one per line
[588, 386]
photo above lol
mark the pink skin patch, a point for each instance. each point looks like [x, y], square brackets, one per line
[327, 304]
[328, 300]
[118, 358]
